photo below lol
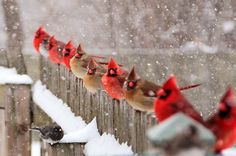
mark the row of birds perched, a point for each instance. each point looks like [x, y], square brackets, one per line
[141, 94]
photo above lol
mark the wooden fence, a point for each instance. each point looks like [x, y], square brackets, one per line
[114, 117]
[119, 118]
[15, 120]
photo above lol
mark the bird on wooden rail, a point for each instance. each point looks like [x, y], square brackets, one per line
[170, 101]
[223, 122]
[68, 52]
[113, 80]
[41, 41]
[55, 50]
[79, 62]
[51, 133]
[92, 79]
[141, 93]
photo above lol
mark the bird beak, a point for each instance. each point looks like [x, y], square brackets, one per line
[161, 93]
[222, 107]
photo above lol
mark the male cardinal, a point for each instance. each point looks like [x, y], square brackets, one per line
[140, 93]
[113, 80]
[92, 79]
[223, 122]
[51, 134]
[55, 50]
[79, 62]
[41, 40]
[68, 52]
[170, 101]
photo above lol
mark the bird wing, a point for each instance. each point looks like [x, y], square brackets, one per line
[148, 88]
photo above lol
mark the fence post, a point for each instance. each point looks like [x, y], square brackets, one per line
[15, 100]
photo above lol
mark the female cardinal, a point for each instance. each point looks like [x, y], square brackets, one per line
[51, 134]
[79, 62]
[41, 41]
[223, 122]
[113, 80]
[170, 101]
[140, 93]
[92, 79]
[55, 50]
[68, 52]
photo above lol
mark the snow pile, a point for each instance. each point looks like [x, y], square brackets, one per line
[76, 130]
[10, 76]
[106, 145]
[83, 135]
[56, 109]
[228, 26]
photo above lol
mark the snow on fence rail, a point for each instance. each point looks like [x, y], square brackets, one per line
[113, 117]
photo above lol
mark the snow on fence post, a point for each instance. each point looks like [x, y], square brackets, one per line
[117, 118]
[15, 119]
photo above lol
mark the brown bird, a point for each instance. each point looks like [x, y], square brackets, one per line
[92, 79]
[140, 93]
[79, 62]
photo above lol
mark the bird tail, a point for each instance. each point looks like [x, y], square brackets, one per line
[106, 63]
[100, 57]
[189, 87]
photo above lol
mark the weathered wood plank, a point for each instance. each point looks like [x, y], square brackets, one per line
[3, 133]
[23, 119]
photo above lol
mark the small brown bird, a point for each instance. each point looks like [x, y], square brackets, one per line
[92, 79]
[140, 93]
[79, 62]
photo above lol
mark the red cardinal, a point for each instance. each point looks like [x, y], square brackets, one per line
[171, 101]
[68, 52]
[41, 40]
[55, 50]
[223, 122]
[113, 80]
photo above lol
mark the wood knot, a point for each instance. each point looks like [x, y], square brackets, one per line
[22, 128]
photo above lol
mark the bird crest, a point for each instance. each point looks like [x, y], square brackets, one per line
[80, 50]
[132, 75]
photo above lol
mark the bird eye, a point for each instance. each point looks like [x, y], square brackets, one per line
[59, 49]
[131, 84]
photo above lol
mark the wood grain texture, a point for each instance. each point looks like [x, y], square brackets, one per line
[17, 119]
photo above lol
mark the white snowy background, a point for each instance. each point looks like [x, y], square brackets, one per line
[195, 40]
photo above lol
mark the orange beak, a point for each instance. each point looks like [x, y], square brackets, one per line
[161, 92]
[222, 107]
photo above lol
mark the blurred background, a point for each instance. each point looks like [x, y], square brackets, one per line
[193, 39]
